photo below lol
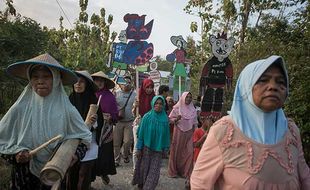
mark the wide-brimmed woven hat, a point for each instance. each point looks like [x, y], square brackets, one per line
[110, 84]
[174, 40]
[87, 76]
[19, 69]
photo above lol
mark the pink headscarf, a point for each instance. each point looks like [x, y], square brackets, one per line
[188, 113]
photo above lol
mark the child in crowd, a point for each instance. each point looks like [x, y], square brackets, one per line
[200, 135]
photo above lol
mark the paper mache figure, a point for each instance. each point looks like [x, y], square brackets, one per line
[216, 74]
[138, 52]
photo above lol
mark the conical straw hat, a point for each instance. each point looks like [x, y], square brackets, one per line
[110, 84]
[19, 69]
[86, 75]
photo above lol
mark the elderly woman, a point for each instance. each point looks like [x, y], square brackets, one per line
[42, 112]
[256, 146]
[80, 174]
[184, 116]
[153, 143]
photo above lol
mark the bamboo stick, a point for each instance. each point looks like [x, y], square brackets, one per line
[34, 151]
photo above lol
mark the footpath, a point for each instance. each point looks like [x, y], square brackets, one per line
[122, 180]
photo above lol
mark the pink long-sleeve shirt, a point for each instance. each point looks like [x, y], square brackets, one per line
[230, 160]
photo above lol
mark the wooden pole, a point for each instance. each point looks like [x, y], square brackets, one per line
[137, 89]
[180, 86]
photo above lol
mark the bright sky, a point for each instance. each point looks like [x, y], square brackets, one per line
[169, 17]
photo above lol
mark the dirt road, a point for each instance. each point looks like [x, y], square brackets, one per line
[122, 180]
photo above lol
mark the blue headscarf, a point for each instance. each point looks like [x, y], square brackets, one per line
[262, 127]
[154, 129]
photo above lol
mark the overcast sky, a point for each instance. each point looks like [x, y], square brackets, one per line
[169, 17]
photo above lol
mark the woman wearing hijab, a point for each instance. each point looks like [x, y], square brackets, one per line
[256, 146]
[80, 174]
[146, 94]
[105, 163]
[153, 143]
[41, 112]
[184, 116]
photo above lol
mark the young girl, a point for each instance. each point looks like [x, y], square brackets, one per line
[200, 135]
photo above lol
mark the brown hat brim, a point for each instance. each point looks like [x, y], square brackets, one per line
[109, 83]
[88, 78]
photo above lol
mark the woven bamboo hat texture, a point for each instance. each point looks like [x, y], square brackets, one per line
[19, 69]
[86, 75]
[109, 83]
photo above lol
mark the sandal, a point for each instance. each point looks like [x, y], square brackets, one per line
[126, 160]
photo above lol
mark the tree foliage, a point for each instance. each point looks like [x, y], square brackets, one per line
[87, 45]
[21, 38]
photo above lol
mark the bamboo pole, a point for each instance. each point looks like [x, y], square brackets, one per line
[34, 151]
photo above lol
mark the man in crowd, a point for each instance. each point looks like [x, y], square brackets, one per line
[122, 133]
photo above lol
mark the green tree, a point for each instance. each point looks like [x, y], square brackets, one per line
[87, 45]
[203, 10]
[21, 38]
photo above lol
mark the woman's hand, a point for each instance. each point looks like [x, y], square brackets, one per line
[136, 103]
[74, 160]
[23, 156]
[93, 119]
[177, 119]
[107, 117]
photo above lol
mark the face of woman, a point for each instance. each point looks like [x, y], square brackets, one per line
[99, 82]
[149, 90]
[170, 102]
[41, 80]
[158, 105]
[269, 92]
[188, 99]
[80, 86]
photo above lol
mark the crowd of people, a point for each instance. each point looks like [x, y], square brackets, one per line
[254, 146]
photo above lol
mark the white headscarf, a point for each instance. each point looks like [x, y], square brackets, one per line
[263, 127]
[33, 120]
